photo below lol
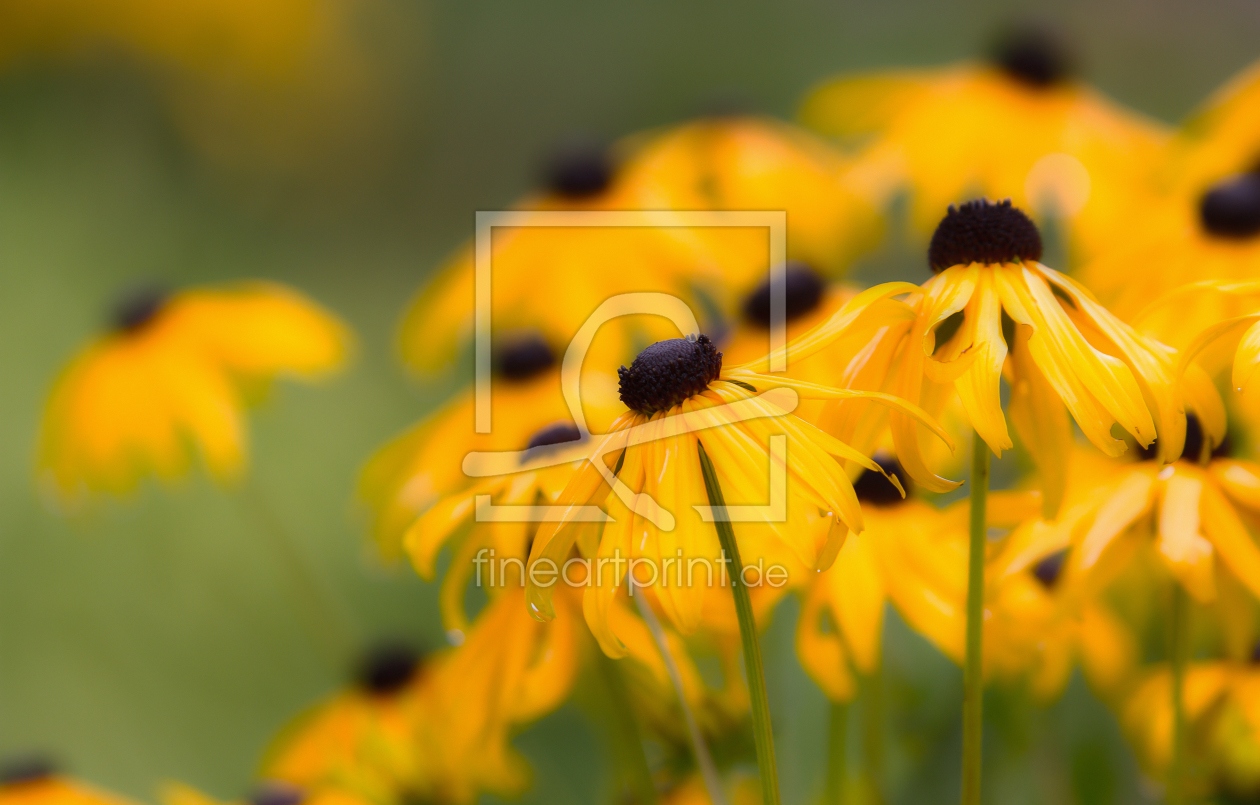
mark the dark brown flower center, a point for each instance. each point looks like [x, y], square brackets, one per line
[277, 792]
[387, 668]
[523, 357]
[579, 169]
[803, 291]
[26, 769]
[668, 372]
[1231, 208]
[983, 231]
[138, 307]
[560, 433]
[1049, 568]
[1033, 56]
[873, 488]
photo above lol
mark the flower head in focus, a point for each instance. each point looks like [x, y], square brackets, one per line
[174, 373]
[1020, 126]
[686, 410]
[993, 311]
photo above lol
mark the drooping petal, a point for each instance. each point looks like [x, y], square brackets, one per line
[979, 388]
[1229, 536]
[1181, 546]
[1130, 499]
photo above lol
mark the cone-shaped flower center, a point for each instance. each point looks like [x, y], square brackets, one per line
[137, 308]
[277, 792]
[1231, 208]
[27, 769]
[387, 668]
[524, 357]
[1048, 570]
[875, 489]
[669, 372]
[982, 231]
[803, 289]
[579, 170]
[1033, 56]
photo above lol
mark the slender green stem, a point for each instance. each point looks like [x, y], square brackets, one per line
[873, 734]
[1178, 651]
[627, 742]
[763, 735]
[837, 754]
[700, 749]
[973, 674]
[326, 619]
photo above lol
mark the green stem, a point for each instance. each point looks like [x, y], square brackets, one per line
[973, 674]
[763, 735]
[1179, 643]
[837, 755]
[873, 734]
[627, 742]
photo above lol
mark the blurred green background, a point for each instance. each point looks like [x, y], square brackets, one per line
[157, 638]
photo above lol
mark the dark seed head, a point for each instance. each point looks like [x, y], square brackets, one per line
[1193, 449]
[559, 433]
[26, 769]
[983, 231]
[1225, 449]
[873, 488]
[1231, 208]
[1033, 55]
[137, 308]
[579, 169]
[803, 291]
[277, 792]
[523, 357]
[669, 372]
[1049, 568]
[1255, 653]
[387, 668]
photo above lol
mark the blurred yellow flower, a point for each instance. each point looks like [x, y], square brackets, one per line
[682, 401]
[34, 781]
[364, 740]
[269, 792]
[713, 164]
[992, 308]
[173, 375]
[1020, 127]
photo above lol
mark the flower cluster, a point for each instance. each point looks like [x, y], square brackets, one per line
[630, 496]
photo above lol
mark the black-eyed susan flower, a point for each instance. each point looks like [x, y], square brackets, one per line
[170, 380]
[34, 780]
[366, 740]
[424, 465]
[710, 165]
[992, 310]
[267, 792]
[692, 431]
[1020, 126]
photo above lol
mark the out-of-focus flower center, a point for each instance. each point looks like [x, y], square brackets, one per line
[1033, 56]
[983, 231]
[579, 169]
[876, 490]
[668, 372]
[803, 291]
[1231, 208]
[277, 792]
[388, 668]
[524, 357]
[1049, 568]
[559, 433]
[27, 769]
[137, 308]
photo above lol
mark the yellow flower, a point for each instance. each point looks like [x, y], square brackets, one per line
[1192, 512]
[33, 781]
[992, 308]
[904, 557]
[364, 739]
[715, 164]
[682, 401]
[269, 792]
[175, 372]
[1221, 138]
[424, 464]
[1019, 127]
